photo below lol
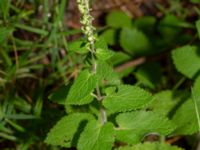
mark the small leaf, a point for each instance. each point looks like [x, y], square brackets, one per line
[96, 136]
[103, 54]
[134, 41]
[187, 60]
[109, 36]
[80, 91]
[63, 133]
[78, 46]
[105, 72]
[118, 19]
[150, 146]
[133, 126]
[127, 98]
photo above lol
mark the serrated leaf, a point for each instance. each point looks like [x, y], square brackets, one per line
[83, 86]
[133, 126]
[134, 41]
[103, 54]
[127, 98]
[198, 27]
[118, 19]
[78, 46]
[101, 43]
[105, 72]
[150, 146]
[97, 136]
[187, 60]
[63, 133]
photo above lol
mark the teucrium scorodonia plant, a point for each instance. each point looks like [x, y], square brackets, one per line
[113, 111]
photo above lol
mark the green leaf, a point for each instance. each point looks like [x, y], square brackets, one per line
[150, 146]
[185, 118]
[145, 23]
[168, 27]
[134, 41]
[149, 74]
[96, 136]
[198, 27]
[195, 1]
[118, 19]
[166, 102]
[187, 60]
[83, 86]
[118, 58]
[109, 36]
[103, 54]
[197, 86]
[106, 73]
[127, 98]
[59, 96]
[64, 132]
[78, 46]
[134, 126]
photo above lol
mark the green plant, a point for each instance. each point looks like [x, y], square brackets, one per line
[102, 112]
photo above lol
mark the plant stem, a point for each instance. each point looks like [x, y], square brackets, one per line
[88, 30]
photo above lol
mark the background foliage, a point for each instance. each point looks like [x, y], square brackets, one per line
[152, 46]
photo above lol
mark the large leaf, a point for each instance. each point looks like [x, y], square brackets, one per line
[134, 41]
[63, 133]
[97, 136]
[133, 126]
[150, 146]
[118, 19]
[187, 60]
[80, 92]
[127, 98]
